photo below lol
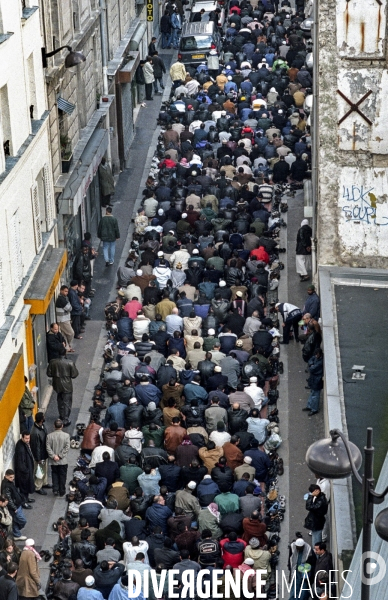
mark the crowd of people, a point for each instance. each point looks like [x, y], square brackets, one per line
[178, 466]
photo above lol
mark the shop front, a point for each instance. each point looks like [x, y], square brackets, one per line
[11, 392]
[79, 203]
[41, 297]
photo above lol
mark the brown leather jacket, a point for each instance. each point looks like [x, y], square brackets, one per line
[173, 436]
[91, 437]
[113, 439]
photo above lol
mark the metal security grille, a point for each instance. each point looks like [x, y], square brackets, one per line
[8, 448]
[127, 112]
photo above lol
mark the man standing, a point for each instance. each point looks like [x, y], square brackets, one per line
[54, 341]
[28, 576]
[57, 446]
[82, 269]
[177, 73]
[149, 77]
[107, 184]
[315, 382]
[312, 303]
[159, 69]
[38, 448]
[108, 232]
[26, 406]
[76, 309]
[176, 24]
[316, 504]
[15, 504]
[62, 372]
[24, 467]
[63, 309]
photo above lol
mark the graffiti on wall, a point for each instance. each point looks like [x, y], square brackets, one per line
[360, 205]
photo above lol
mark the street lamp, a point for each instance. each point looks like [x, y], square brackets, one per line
[335, 458]
[72, 59]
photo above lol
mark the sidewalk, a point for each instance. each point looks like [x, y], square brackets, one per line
[88, 355]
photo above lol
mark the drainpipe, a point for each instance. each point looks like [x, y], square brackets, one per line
[315, 140]
[104, 60]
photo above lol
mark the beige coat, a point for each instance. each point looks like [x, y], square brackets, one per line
[178, 71]
[210, 457]
[28, 577]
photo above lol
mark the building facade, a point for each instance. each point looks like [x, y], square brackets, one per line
[353, 136]
[56, 124]
[27, 213]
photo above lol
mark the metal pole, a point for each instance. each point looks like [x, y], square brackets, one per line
[315, 140]
[104, 60]
[367, 511]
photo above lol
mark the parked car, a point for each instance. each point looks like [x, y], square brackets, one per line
[197, 40]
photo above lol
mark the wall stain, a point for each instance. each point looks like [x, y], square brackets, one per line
[362, 37]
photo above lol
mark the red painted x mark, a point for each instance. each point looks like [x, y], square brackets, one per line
[354, 107]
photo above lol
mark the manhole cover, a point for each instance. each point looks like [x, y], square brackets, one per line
[102, 281]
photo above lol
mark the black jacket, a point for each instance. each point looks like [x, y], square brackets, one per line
[86, 552]
[24, 468]
[170, 476]
[8, 489]
[303, 240]
[8, 589]
[123, 452]
[262, 339]
[38, 442]
[54, 342]
[317, 507]
[195, 415]
[134, 414]
[237, 420]
[156, 540]
[316, 373]
[139, 506]
[206, 369]
[193, 474]
[165, 373]
[158, 66]
[108, 469]
[223, 477]
[105, 580]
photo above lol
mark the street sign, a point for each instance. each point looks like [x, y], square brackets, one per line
[150, 10]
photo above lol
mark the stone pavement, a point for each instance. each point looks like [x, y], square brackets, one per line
[297, 430]
[88, 355]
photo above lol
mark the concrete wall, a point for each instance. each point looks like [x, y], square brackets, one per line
[353, 151]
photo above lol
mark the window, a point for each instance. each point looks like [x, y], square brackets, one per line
[8, 448]
[32, 87]
[5, 121]
[2, 301]
[48, 196]
[36, 217]
[16, 250]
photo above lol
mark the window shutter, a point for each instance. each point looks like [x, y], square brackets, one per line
[2, 301]
[36, 217]
[48, 197]
[16, 251]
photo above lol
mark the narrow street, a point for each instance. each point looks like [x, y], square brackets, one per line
[89, 350]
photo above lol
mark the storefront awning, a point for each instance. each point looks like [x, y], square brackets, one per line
[65, 105]
[45, 280]
[11, 392]
[138, 36]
